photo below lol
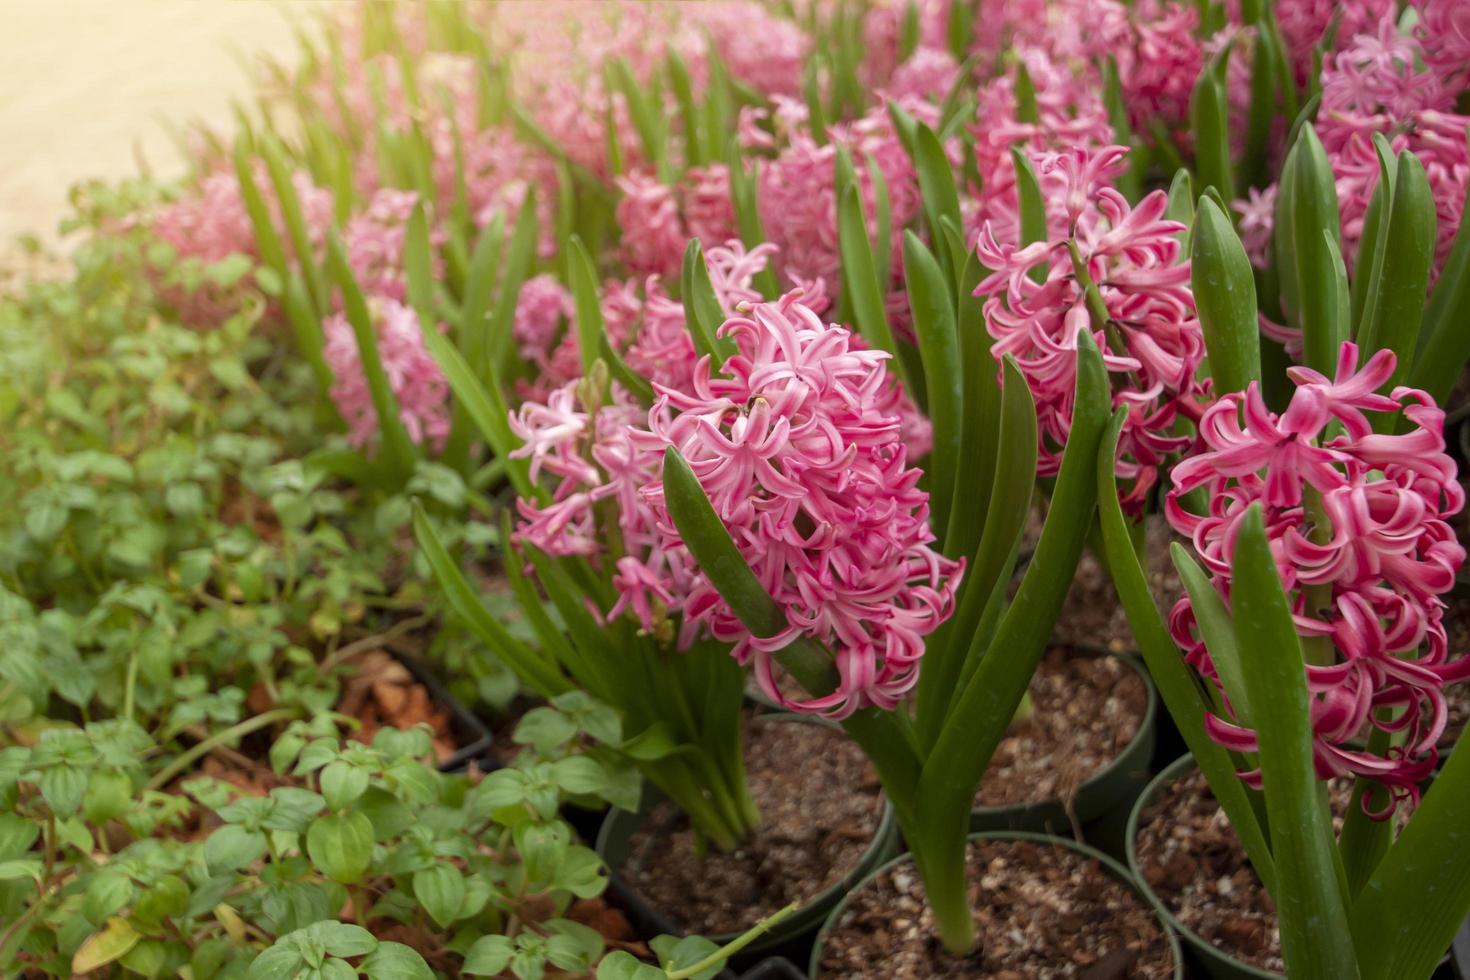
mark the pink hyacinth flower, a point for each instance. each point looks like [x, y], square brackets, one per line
[1379, 573]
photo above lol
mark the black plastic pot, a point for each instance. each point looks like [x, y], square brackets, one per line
[793, 935]
[1103, 802]
[774, 968]
[471, 734]
[1113, 867]
[1214, 962]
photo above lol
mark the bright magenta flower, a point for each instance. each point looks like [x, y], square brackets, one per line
[1389, 556]
[809, 473]
[413, 374]
[1152, 339]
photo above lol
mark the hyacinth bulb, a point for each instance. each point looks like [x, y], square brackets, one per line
[1357, 522]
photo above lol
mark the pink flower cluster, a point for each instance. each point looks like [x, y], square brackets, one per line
[1403, 86]
[657, 221]
[798, 448]
[211, 224]
[413, 374]
[1357, 525]
[800, 444]
[1151, 340]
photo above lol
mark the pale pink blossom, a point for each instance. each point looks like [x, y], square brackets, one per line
[413, 374]
[653, 234]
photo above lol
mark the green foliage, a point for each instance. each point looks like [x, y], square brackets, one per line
[458, 862]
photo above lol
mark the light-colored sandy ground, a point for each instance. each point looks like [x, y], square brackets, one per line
[86, 84]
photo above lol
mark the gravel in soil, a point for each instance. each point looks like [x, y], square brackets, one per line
[820, 805]
[1093, 616]
[1189, 855]
[1085, 712]
[1041, 912]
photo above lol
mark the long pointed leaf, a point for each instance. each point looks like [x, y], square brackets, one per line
[1173, 678]
[533, 669]
[1315, 939]
[933, 313]
[1225, 295]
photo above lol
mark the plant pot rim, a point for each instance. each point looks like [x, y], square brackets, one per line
[478, 741]
[884, 836]
[1110, 864]
[1170, 773]
[1118, 767]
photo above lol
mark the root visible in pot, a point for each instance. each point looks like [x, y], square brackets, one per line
[820, 804]
[1041, 911]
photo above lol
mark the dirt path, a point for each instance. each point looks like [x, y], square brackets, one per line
[85, 86]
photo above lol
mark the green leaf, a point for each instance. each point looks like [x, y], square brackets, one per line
[1313, 228]
[418, 266]
[1225, 294]
[488, 957]
[232, 847]
[110, 943]
[395, 961]
[1400, 277]
[1217, 628]
[546, 729]
[582, 275]
[1028, 195]
[622, 965]
[440, 890]
[63, 787]
[655, 742]
[478, 290]
[485, 406]
[18, 868]
[1171, 675]
[1209, 116]
[342, 782]
[708, 540]
[397, 450]
[1315, 939]
[341, 845]
[992, 685]
[518, 263]
[702, 312]
[1419, 895]
[936, 184]
[934, 325]
[864, 289]
[280, 962]
[108, 893]
[578, 774]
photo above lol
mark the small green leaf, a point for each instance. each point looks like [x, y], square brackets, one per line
[440, 890]
[341, 845]
[488, 957]
[545, 729]
[341, 783]
[395, 961]
[621, 965]
[232, 847]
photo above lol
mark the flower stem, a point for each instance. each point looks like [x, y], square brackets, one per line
[735, 945]
[187, 758]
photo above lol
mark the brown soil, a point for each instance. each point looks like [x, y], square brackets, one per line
[1189, 855]
[1191, 858]
[1041, 912]
[1086, 710]
[1092, 615]
[820, 804]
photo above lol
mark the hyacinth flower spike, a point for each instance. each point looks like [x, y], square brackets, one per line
[1312, 633]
